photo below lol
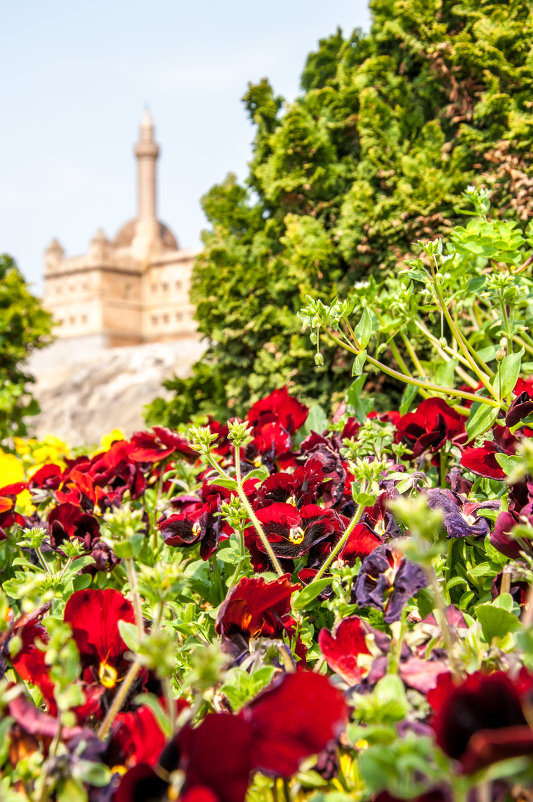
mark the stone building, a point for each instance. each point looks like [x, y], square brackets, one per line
[129, 290]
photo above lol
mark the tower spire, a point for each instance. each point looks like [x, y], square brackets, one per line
[147, 152]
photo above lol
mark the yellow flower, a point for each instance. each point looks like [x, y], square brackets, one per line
[108, 439]
[50, 449]
[11, 471]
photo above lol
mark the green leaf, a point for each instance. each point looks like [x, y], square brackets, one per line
[408, 396]
[260, 473]
[359, 363]
[496, 622]
[354, 400]
[363, 330]
[317, 421]
[229, 483]
[509, 371]
[129, 634]
[301, 599]
[508, 462]
[81, 582]
[481, 418]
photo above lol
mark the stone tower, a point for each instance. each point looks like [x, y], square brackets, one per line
[131, 289]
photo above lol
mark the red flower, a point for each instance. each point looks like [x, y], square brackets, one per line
[158, 445]
[48, 477]
[297, 716]
[428, 429]
[279, 406]
[256, 608]
[481, 721]
[93, 616]
[198, 523]
[292, 532]
[482, 461]
[8, 500]
[343, 648]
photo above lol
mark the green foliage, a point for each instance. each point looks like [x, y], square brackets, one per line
[374, 154]
[24, 326]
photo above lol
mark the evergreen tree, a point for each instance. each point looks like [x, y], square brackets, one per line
[24, 326]
[389, 130]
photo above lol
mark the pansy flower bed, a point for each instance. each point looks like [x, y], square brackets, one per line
[281, 608]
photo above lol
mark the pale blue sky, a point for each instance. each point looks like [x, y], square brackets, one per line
[75, 79]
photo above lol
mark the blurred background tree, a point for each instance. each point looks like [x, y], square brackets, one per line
[24, 326]
[390, 128]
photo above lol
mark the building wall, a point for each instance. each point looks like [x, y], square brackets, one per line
[120, 299]
[167, 310]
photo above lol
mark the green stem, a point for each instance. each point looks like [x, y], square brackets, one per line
[507, 326]
[259, 529]
[443, 467]
[446, 353]
[251, 515]
[218, 579]
[342, 542]
[463, 345]
[156, 505]
[134, 589]
[523, 344]
[433, 388]
[167, 685]
[238, 464]
[118, 699]
[414, 356]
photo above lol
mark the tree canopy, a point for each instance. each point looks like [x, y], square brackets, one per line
[24, 326]
[389, 129]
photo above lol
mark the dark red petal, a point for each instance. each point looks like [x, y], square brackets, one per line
[216, 755]
[256, 607]
[482, 461]
[94, 616]
[341, 649]
[295, 717]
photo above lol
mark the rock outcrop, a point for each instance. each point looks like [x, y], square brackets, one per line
[86, 392]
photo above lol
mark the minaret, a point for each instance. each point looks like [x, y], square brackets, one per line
[147, 153]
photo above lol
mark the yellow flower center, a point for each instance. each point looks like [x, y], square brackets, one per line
[296, 535]
[107, 675]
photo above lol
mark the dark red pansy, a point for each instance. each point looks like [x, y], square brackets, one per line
[279, 405]
[198, 523]
[70, 521]
[294, 532]
[481, 721]
[136, 737]
[93, 616]
[49, 477]
[343, 648]
[386, 581]
[361, 543]
[297, 716]
[325, 452]
[502, 536]
[215, 758]
[256, 608]
[430, 427]
[157, 445]
[29, 661]
[482, 461]
[520, 408]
